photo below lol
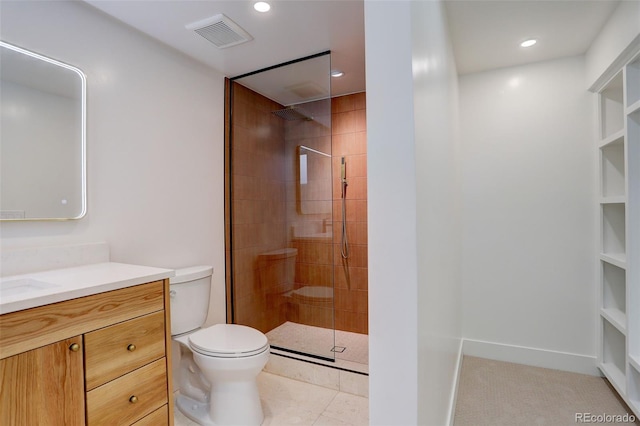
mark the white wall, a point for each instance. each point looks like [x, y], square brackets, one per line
[391, 205]
[154, 137]
[437, 198]
[529, 214]
[414, 329]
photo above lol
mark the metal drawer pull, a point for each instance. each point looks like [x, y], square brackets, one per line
[133, 399]
[74, 347]
[131, 347]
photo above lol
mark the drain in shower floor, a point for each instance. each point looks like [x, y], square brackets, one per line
[338, 349]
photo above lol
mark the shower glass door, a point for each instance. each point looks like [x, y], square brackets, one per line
[280, 234]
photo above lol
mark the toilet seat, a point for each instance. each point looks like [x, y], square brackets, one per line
[228, 341]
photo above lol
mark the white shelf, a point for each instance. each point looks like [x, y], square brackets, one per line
[614, 288]
[619, 259]
[632, 82]
[611, 107]
[634, 361]
[616, 318]
[613, 229]
[612, 169]
[615, 376]
[613, 353]
[633, 391]
[615, 139]
[633, 108]
[617, 199]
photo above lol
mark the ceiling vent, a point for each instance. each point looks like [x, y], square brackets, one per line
[221, 31]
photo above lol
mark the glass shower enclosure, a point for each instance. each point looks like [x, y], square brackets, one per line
[278, 205]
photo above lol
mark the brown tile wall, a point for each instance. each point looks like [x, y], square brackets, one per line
[258, 208]
[349, 139]
[310, 211]
[267, 205]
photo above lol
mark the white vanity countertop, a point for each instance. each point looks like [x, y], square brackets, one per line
[26, 291]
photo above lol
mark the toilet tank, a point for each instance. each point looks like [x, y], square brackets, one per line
[189, 295]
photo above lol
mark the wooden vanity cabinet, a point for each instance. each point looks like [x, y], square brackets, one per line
[43, 386]
[103, 359]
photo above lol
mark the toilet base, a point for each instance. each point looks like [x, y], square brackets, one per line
[194, 410]
[241, 404]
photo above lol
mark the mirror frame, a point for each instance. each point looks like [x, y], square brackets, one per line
[83, 132]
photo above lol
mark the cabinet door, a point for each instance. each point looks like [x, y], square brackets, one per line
[44, 386]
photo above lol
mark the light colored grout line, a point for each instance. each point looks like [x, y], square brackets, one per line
[324, 410]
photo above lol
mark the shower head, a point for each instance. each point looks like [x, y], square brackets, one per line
[292, 113]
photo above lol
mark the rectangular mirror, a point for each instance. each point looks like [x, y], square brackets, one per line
[42, 137]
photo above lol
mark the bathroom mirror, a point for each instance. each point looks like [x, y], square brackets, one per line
[42, 137]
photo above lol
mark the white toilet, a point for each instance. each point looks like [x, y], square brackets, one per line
[218, 364]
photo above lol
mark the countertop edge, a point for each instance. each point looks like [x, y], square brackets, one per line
[126, 275]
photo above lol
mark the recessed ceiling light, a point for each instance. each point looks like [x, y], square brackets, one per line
[262, 6]
[336, 73]
[528, 43]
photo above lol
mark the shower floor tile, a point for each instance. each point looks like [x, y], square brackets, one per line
[320, 341]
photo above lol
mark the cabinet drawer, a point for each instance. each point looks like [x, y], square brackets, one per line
[113, 351]
[22, 331]
[114, 404]
[160, 417]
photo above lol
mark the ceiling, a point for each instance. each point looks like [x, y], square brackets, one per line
[485, 34]
[290, 30]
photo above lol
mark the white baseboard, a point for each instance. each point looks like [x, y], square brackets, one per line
[454, 393]
[532, 356]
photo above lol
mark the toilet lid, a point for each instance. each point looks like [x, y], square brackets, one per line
[228, 341]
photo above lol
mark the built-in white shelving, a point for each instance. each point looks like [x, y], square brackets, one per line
[635, 362]
[614, 296]
[613, 230]
[613, 199]
[612, 107]
[613, 167]
[635, 107]
[633, 83]
[613, 354]
[612, 139]
[619, 153]
[634, 389]
[618, 260]
[615, 318]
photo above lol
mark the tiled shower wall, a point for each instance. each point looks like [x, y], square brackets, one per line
[258, 200]
[315, 263]
[310, 212]
[349, 139]
[272, 211]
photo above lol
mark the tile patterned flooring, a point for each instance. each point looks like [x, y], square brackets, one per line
[291, 402]
[309, 394]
